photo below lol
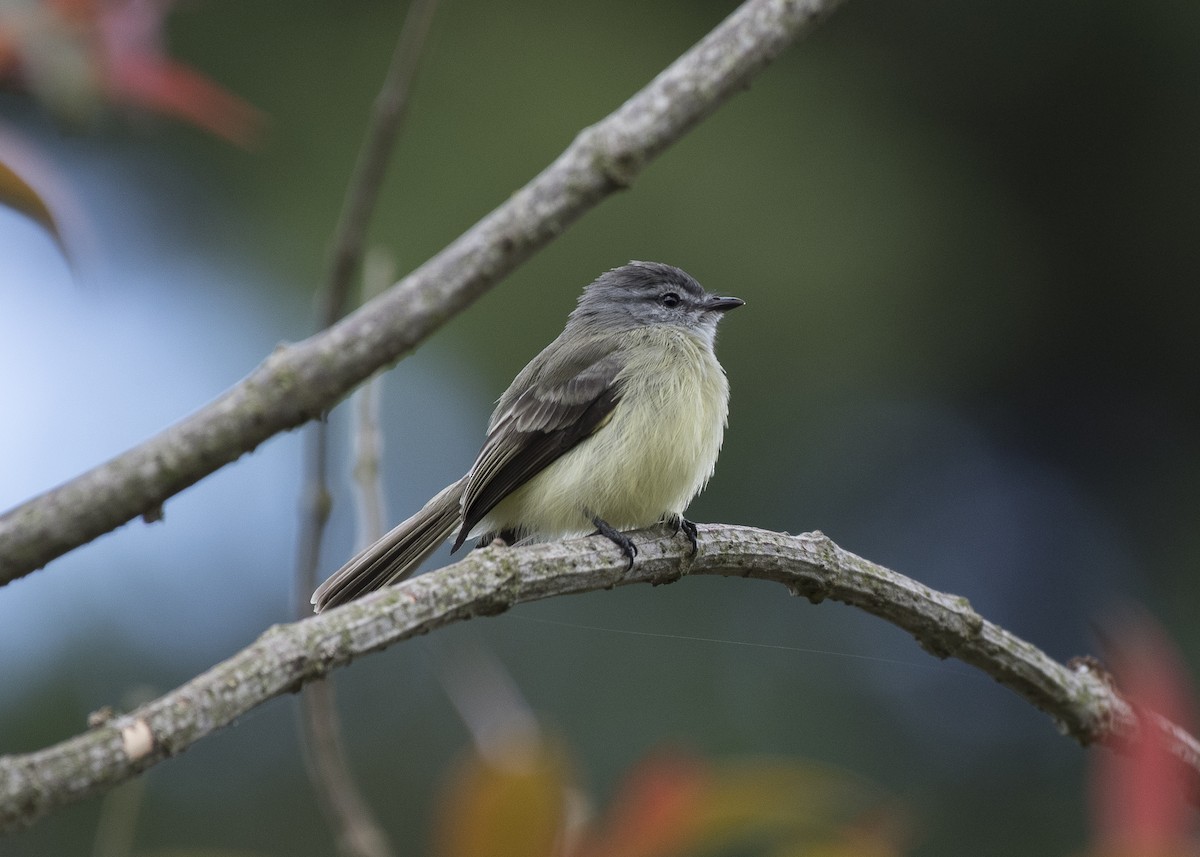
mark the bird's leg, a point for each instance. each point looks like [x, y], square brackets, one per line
[677, 522]
[604, 528]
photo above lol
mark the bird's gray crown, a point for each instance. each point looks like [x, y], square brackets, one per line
[646, 293]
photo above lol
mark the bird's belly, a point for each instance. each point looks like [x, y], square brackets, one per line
[652, 456]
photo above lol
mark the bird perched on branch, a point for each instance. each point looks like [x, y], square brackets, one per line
[614, 426]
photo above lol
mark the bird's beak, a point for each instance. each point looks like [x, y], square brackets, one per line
[720, 304]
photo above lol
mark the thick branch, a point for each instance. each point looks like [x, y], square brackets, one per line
[490, 581]
[299, 382]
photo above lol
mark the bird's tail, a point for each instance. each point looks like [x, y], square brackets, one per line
[396, 555]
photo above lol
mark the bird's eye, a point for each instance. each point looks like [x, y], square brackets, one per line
[669, 300]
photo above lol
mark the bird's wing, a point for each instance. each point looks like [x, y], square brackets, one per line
[559, 408]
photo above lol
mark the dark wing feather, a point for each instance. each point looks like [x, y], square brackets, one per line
[558, 410]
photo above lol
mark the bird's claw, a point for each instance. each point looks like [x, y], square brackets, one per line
[603, 528]
[679, 523]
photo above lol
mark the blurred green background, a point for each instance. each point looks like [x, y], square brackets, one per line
[966, 233]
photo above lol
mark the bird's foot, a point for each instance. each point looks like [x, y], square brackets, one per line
[604, 528]
[679, 523]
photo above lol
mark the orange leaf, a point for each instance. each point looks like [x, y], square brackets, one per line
[17, 194]
[509, 807]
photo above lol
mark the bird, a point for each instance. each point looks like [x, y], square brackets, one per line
[615, 426]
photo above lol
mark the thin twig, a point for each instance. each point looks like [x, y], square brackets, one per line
[1081, 702]
[355, 827]
[370, 505]
[357, 832]
[116, 827]
[315, 506]
[299, 382]
[387, 118]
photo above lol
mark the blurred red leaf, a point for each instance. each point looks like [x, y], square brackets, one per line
[673, 804]
[1138, 794]
[77, 55]
[172, 89]
[656, 812]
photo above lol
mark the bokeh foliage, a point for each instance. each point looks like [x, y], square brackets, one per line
[966, 235]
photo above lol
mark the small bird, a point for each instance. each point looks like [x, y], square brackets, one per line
[615, 425]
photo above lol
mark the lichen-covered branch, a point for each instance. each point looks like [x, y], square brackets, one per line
[1081, 701]
[299, 382]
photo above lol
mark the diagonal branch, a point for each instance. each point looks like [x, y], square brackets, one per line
[299, 382]
[1082, 703]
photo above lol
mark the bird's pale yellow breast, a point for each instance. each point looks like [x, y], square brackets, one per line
[652, 456]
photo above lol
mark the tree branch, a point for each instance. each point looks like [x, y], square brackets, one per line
[299, 382]
[1081, 702]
